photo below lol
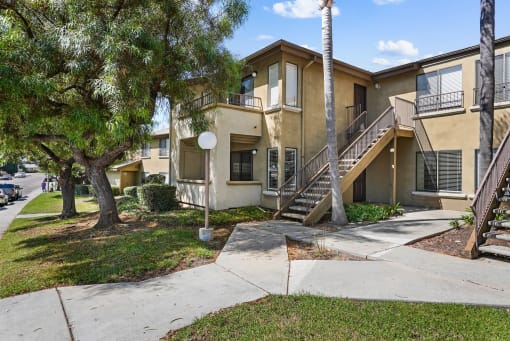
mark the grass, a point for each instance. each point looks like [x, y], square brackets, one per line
[370, 212]
[320, 318]
[51, 202]
[45, 252]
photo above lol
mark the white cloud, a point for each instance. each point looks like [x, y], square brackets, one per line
[264, 37]
[381, 61]
[301, 9]
[403, 61]
[266, 8]
[306, 46]
[400, 47]
[387, 2]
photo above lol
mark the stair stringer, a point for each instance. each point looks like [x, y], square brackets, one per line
[347, 180]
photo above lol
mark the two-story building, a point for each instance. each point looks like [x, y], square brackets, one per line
[407, 134]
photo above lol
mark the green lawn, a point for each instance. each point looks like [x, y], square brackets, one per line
[320, 318]
[51, 202]
[44, 252]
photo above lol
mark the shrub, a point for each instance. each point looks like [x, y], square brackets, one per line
[454, 224]
[468, 218]
[116, 190]
[155, 179]
[366, 212]
[156, 197]
[130, 191]
[81, 189]
[127, 204]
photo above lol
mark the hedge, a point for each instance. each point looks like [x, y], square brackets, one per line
[156, 197]
[116, 190]
[130, 191]
[155, 179]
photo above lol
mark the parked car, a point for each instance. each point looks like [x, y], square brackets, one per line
[20, 175]
[6, 177]
[4, 198]
[10, 190]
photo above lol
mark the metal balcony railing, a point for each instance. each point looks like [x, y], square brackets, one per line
[450, 100]
[501, 93]
[240, 100]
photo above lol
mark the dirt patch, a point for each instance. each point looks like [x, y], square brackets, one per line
[451, 242]
[306, 251]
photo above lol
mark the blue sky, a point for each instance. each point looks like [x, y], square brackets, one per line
[371, 34]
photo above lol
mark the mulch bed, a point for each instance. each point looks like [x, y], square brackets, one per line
[307, 251]
[451, 242]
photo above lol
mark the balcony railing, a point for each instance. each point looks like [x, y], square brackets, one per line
[501, 93]
[240, 100]
[450, 100]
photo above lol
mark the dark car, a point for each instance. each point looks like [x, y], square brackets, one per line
[10, 190]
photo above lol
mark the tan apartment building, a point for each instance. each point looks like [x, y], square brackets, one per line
[152, 158]
[407, 134]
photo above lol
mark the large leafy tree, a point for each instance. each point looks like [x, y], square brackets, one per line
[338, 216]
[487, 11]
[86, 73]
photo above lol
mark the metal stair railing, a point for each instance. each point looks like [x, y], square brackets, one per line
[302, 178]
[486, 195]
[316, 190]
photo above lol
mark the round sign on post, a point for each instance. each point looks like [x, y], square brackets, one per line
[207, 140]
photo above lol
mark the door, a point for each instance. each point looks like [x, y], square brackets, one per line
[360, 99]
[359, 190]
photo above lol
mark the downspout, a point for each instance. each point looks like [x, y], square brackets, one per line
[303, 110]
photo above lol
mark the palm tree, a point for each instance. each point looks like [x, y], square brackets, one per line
[338, 216]
[487, 84]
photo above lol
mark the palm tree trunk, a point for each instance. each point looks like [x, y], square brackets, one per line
[487, 85]
[338, 216]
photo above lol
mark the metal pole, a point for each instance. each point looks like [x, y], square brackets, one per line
[207, 151]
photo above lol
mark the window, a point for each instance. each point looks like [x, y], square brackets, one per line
[440, 90]
[290, 165]
[439, 171]
[477, 166]
[191, 160]
[163, 147]
[291, 84]
[241, 166]
[273, 90]
[501, 79]
[272, 168]
[146, 149]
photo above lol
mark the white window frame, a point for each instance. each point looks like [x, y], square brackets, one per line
[145, 151]
[273, 90]
[291, 84]
[164, 150]
[272, 167]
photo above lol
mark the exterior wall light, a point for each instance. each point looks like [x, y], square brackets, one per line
[254, 152]
[254, 74]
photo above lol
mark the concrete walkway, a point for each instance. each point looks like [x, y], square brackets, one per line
[253, 264]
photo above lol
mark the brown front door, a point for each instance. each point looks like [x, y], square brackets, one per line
[360, 99]
[359, 188]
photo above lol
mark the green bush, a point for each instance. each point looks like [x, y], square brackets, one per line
[156, 197]
[116, 190]
[366, 212]
[130, 191]
[155, 179]
[81, 189]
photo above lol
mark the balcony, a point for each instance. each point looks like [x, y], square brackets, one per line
[239, 100]
[501, 93]
[440, 102]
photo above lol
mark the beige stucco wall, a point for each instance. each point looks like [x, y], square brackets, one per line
[454, 130]
[155, 164]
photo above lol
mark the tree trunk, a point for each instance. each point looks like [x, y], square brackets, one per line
[487, 85]
[108, 215]
[66, 182]
[338, 216]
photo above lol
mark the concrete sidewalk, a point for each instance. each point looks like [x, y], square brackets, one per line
[253, 264]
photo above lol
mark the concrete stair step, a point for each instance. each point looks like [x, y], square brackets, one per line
[499, 236]
[300, 208]
[500, 223]
[294, 216]
[504, 199]
[495, 249]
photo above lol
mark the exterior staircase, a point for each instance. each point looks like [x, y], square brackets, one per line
[306, 196]
[491, 207]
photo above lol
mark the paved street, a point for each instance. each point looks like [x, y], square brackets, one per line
[31, 188]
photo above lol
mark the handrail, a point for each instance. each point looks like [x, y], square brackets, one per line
[486, 195]
[302, 177]
[442, 101]
[241, 100]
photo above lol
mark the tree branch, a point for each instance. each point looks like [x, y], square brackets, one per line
[120, 5]
[48, 138]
